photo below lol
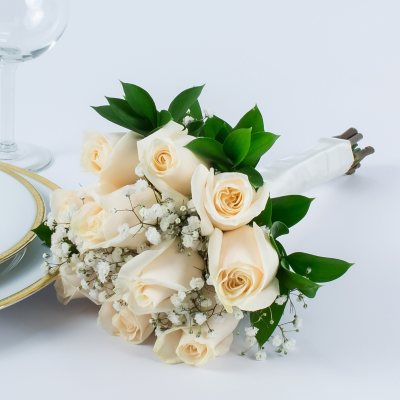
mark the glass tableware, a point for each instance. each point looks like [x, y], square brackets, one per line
[28, 28]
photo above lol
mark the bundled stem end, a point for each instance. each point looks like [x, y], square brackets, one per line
[354, 137]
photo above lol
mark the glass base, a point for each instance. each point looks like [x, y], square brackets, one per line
[10, 264]
[26, 155]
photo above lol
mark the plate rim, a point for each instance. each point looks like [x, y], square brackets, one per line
[46, 279]
[39, 217]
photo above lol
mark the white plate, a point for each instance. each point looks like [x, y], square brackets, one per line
[21, 210]
[27, 277]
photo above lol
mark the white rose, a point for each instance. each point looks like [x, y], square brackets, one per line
[243, 265]
[124, 323]
[148, 280]
[225, 201]
[63, 203]
[67, 284]
[97, 225]
[166, 162]
[113, 156]
[177, 345]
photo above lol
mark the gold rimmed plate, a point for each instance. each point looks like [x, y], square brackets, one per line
[27, 277]
[21, 209]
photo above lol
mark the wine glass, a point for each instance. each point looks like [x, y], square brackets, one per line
[28, 28]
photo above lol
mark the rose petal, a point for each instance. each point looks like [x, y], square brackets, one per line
[166, 345]
[214, 250]
[199, 180]
[119, 169]
[270, 259]
[262, 299]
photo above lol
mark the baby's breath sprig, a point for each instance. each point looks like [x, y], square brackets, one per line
[192, 309]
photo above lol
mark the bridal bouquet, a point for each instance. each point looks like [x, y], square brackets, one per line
[179, 235]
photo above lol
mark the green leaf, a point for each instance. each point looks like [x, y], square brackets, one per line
[212, 126]
[265, 217]
[318, 269]
[163, 117]
[194, 128]
[237, 145]
[195, 111]
[122, 110]
[261, 142]
[141, 102]
[183, 102]
[284, 263]
[291, 280]
[290, 209]
[107, 113]
[43, 232]
[216, 128]
[209, 149]
[252, 119]
[262, 319]
[254, 176]
[278, 228]
[223, 133]
[281, 250]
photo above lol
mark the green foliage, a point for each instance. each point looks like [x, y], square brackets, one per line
[210, 150]
[140, 102]
[261, 142]
[297, 271]
[227, 149]
[237, 145]
[318, 269]
[137, 111]
[254, 176]
[163, 117]
[194, 128]
[290, 209]
[252, 119]
[290, 280]
[287, 210]
[278, 228]
[185, 101]
[267, 320]
[216, 128]
[107, 113]
[265, 217]
[122, 110]
[195, 111]
[43, 232]
[242, 146]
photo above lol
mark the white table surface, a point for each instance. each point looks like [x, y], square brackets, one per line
[314, 68]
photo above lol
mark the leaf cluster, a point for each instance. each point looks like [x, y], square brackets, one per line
[237, 148]
[137, 110]
[297, 271]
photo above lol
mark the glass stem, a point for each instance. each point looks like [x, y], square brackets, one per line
[7, 104]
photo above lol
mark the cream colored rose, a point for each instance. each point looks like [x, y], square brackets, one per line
[177, 345]
[63, 204]
[96, 150]
[243, 265]
[67, 284]
[124, 323]
[99, 223]
[148, 280]
[165, 161]
[225, 201]
[113, 156]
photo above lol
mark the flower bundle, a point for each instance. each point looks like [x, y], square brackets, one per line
[179, 235]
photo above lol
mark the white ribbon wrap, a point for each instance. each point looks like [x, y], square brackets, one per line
[296, 174]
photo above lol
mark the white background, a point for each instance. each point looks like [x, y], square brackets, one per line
[314, 68]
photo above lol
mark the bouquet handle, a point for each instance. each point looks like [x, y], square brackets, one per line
[328, 159]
